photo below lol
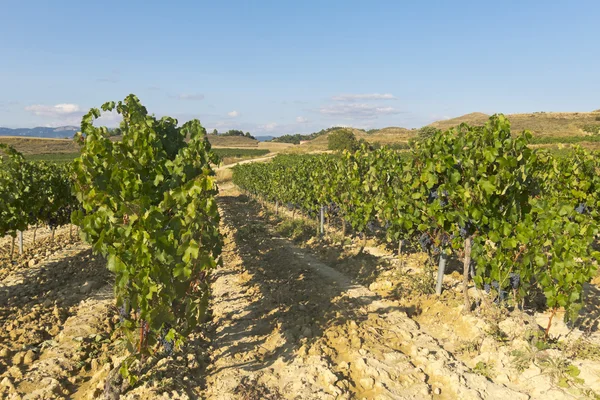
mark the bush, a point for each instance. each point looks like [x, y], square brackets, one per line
[427, 132]
[342, 140]
[592, 128]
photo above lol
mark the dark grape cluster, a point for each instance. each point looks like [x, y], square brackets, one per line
[466, 229]
[487, 288]
[122, 313]
[166, 344]
[501, 293]
[425, 241]
[515, 279]
[581, 208]
[433, 195]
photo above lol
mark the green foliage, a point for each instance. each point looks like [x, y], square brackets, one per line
[235, 132]
[342, 139]
[592, 128]
[426, 132]
[149, 207]
[32, 193]
[564, 139]
[229, 152]
[485, 369]
[526, 211]
[297, 138]
[57, 158]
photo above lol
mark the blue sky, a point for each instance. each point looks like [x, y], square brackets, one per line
[275, 67]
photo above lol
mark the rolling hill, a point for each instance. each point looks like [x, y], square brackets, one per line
[41, 132]
[555, 124]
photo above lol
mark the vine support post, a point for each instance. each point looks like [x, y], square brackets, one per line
[276, 207]
[53, 231]
[466, 270]
[440, 273]
[400, 251]
[322, 221]
[34, 233]
[12, 248]
[70, 231]
[20, 242]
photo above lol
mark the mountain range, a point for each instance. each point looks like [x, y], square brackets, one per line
[60, 132]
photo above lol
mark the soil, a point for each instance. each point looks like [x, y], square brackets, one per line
[290, 319]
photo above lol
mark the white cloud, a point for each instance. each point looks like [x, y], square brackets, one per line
[269, 126]
[364, 96]
[53, 111]
[69, 114]
[233, 114]
[360, 111]
[301, 120]
[190, 96]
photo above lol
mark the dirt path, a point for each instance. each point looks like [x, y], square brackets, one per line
[251, 160]
[288, 326]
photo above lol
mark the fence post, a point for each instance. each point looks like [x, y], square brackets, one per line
[322, 221]
[20, 242]
[440, 276]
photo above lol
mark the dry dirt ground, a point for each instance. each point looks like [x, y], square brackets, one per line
[290, 319]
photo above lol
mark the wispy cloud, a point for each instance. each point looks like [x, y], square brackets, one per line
[233, 114]
[301, 120]
[53, 111]
[190, 96]
[364, 96]
[359, 111]
[68, 114]
[268, 126]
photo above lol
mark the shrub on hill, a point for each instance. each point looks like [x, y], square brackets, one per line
[342, 139]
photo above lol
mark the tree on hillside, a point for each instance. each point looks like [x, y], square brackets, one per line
[427, 132]
[215, 132]
[342, 139]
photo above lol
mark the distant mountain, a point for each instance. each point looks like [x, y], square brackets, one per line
[264, 138]
[43, 132]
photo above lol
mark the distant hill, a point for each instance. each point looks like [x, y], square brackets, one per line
[232, 141]
[264, 138]
[42, 132]
[36, 145]
[539, 123]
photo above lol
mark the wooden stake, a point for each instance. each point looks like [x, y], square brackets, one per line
[440, 276]
[466, 269]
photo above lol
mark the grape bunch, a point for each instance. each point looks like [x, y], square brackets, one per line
[581, 208]
[425, 241]
[466, 229]
[433, 195]
[515, 279]
[122, 313]
[166, 344]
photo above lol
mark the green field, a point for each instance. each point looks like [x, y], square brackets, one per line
[240, 153]
[61, 158]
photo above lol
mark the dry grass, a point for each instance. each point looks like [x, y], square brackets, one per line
[224, 175]
[546, 124]
[40, 145]
[232, 141]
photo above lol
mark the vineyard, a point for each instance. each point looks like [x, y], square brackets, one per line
[310, 275]
[527, 221]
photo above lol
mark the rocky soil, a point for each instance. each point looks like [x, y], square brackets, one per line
[292, 318]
